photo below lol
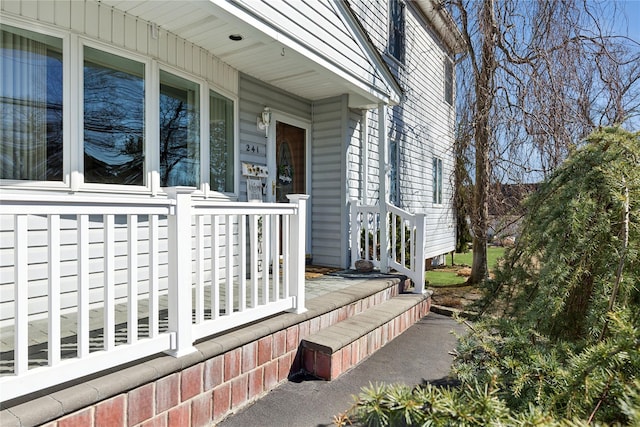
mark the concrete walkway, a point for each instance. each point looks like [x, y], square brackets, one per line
[420, 354]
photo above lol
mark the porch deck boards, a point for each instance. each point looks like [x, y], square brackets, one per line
[316, 285]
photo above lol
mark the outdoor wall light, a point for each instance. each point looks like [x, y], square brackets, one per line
[264, 120]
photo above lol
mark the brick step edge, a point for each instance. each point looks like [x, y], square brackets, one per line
[335, 350]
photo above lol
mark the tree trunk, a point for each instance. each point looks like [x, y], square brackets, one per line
[484, 96]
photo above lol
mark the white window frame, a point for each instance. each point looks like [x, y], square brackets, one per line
[199, 190]
[79, 89]
[437, 176]
[448, 62]
[390, 24]
[208, 192]
[65, 37]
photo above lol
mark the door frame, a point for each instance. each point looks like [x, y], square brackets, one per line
[280, 116]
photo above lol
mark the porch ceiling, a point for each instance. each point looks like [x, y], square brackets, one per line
[263, 53]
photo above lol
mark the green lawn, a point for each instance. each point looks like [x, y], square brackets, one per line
[448, 276]
[493, 253]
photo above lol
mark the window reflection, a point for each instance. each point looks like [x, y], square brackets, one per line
[30, 106]
[113, 119]
[179, 131]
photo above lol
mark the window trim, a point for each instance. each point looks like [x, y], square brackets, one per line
[65, 38]
[208, 192]
[390, 25]
[79, 184]
[437, 178]
[199, 189]
[448, 62]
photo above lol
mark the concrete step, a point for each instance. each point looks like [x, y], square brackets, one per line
[332, 351]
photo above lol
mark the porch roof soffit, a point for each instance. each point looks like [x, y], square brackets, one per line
[306, 48]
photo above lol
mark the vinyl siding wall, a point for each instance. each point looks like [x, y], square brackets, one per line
[328, 195]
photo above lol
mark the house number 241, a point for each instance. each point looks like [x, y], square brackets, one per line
[253, 148]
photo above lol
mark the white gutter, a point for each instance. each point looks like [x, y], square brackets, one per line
[437, 14]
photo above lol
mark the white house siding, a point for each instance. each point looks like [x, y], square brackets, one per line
[329, 232]
[422, 124]
[101, 23]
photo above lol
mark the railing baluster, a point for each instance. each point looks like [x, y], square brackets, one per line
[21, 295]
[286, 256]
[83, 286]
[109, 283]
[242, 262]
[54, 290]
[215, 266]
[154, 278]
[229, 266]
[254, 258]
[199, 291]
[132, 282]
[276, 256]
[266, 244]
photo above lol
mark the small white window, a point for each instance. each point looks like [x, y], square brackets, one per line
[179, 131]
[437, 181]
[221, 143]
[397, 29]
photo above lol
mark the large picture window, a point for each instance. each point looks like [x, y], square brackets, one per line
[179, 131]
[30, 106]
[221, 143]
[113, 119]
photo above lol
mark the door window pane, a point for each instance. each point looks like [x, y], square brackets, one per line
[221, 143]
[179, 131]
[30, 106]
[113, 119]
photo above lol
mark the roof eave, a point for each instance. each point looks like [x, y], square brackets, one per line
[442, 21]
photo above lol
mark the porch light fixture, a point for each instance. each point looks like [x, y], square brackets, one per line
[264, 120]
[235, 37]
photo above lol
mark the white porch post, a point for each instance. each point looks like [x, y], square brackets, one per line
[298, 246]
[180, 304]
[383, 161]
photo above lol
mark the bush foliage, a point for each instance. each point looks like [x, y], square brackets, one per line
[559, 339]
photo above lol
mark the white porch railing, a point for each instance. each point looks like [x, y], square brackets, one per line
[91, 283]
[405, 236]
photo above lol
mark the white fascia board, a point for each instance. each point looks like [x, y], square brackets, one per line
[372, 53]
[364, 88]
